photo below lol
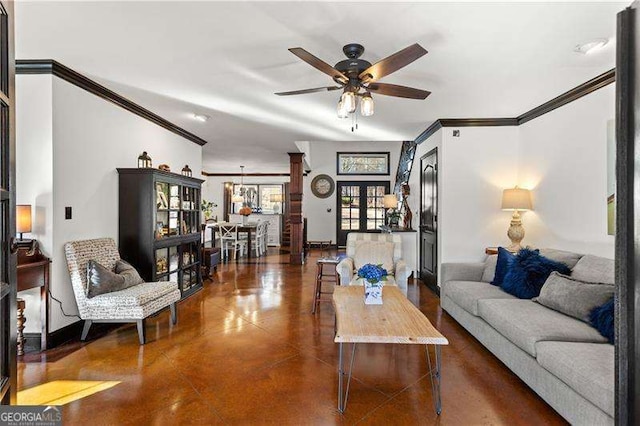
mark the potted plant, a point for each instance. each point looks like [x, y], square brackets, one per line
[374, 277]
[207, 209]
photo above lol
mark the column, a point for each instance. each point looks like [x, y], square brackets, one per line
[295, 207]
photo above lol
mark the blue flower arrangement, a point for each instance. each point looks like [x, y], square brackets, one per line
[373, 273]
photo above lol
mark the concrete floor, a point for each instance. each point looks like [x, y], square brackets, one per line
[247, 350]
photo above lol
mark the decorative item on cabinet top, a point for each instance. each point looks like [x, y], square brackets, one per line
[144, 161]
[164, 167]
[186, 171]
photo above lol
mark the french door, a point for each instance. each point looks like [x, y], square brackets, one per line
[360, 207]
[7, 209]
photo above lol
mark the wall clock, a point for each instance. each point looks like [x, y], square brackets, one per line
[322, 186]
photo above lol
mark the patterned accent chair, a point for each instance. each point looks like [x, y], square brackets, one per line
[346, 268]
[133, 304]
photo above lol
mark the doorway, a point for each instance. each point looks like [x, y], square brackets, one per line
[360, 207]
[429, 218]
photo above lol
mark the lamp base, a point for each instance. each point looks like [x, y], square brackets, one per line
[515, 232]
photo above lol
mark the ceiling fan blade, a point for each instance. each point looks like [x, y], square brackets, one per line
[319, 64]
[398, 91]
[392, 63]
[302, 92]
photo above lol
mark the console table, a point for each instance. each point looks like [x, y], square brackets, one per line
[33, 272]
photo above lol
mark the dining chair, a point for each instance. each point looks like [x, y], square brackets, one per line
[229, 240]
[265, 237]
[256, 238]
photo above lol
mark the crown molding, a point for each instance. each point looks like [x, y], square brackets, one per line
[569, 96]
[50, 66]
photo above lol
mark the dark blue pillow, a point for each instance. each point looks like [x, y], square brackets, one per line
[527, 273]
[502, 265]
[602, 319]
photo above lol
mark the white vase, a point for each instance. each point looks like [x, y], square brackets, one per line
[245, 220]
[372, 293]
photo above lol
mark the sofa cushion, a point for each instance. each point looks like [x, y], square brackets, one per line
[587, 368]
[603, 319]
[489, 271]
[503, 265]
[374, 252]
[138, 295]
[594, 269]
[568, 258]
[525, 323]
[572, 297]
[527, 273]
[467, 293]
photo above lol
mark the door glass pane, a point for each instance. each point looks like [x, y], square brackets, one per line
[350, 208]
[375, 206]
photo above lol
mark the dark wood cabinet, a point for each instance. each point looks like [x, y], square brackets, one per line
[159, 226]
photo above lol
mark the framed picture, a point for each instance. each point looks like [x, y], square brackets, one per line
[363, 163]
[161, 197]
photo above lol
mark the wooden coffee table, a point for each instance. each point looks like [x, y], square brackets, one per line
[397, 320]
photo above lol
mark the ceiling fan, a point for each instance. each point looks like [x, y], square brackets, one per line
[358, 78]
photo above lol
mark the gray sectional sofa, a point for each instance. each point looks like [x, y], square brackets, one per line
[564, 360]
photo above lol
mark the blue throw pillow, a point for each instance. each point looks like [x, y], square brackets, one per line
[502, 265]
[602, 319]
[527, 273]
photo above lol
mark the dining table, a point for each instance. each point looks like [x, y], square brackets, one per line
[248, 228]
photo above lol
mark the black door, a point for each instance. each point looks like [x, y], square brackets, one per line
[360, 207]
[7, 209]
[429, 217]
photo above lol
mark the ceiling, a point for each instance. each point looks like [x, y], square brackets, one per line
[226, 60]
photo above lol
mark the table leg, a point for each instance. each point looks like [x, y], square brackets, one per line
[20, 328]
[436, 379]
[317, 289]
[249, 242]
[343, 396]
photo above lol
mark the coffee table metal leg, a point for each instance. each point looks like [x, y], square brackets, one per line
[434, 375]
[343, 396]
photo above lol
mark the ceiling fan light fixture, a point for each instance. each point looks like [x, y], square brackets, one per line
[342, 112]
[366, 105]
[348, 100]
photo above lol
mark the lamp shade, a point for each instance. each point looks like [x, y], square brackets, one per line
[390, 201]
[516, 199]
[23, 218]
[276, 198]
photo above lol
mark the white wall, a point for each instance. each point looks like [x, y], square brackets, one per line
[563, 158]
[91, 138]
[34, 171]
[473, 169]
[322, 223]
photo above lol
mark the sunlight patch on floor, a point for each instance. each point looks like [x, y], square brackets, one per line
[60, 392]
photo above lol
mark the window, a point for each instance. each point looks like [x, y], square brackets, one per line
[267, 198]
[363, 163]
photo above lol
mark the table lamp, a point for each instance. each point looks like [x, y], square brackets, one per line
[23, 219]
[516, 200]
[390, 202]
[276, 199]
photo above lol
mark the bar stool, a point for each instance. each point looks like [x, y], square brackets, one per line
[322, 276]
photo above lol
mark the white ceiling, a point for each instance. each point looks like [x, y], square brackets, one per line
[226, 60]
